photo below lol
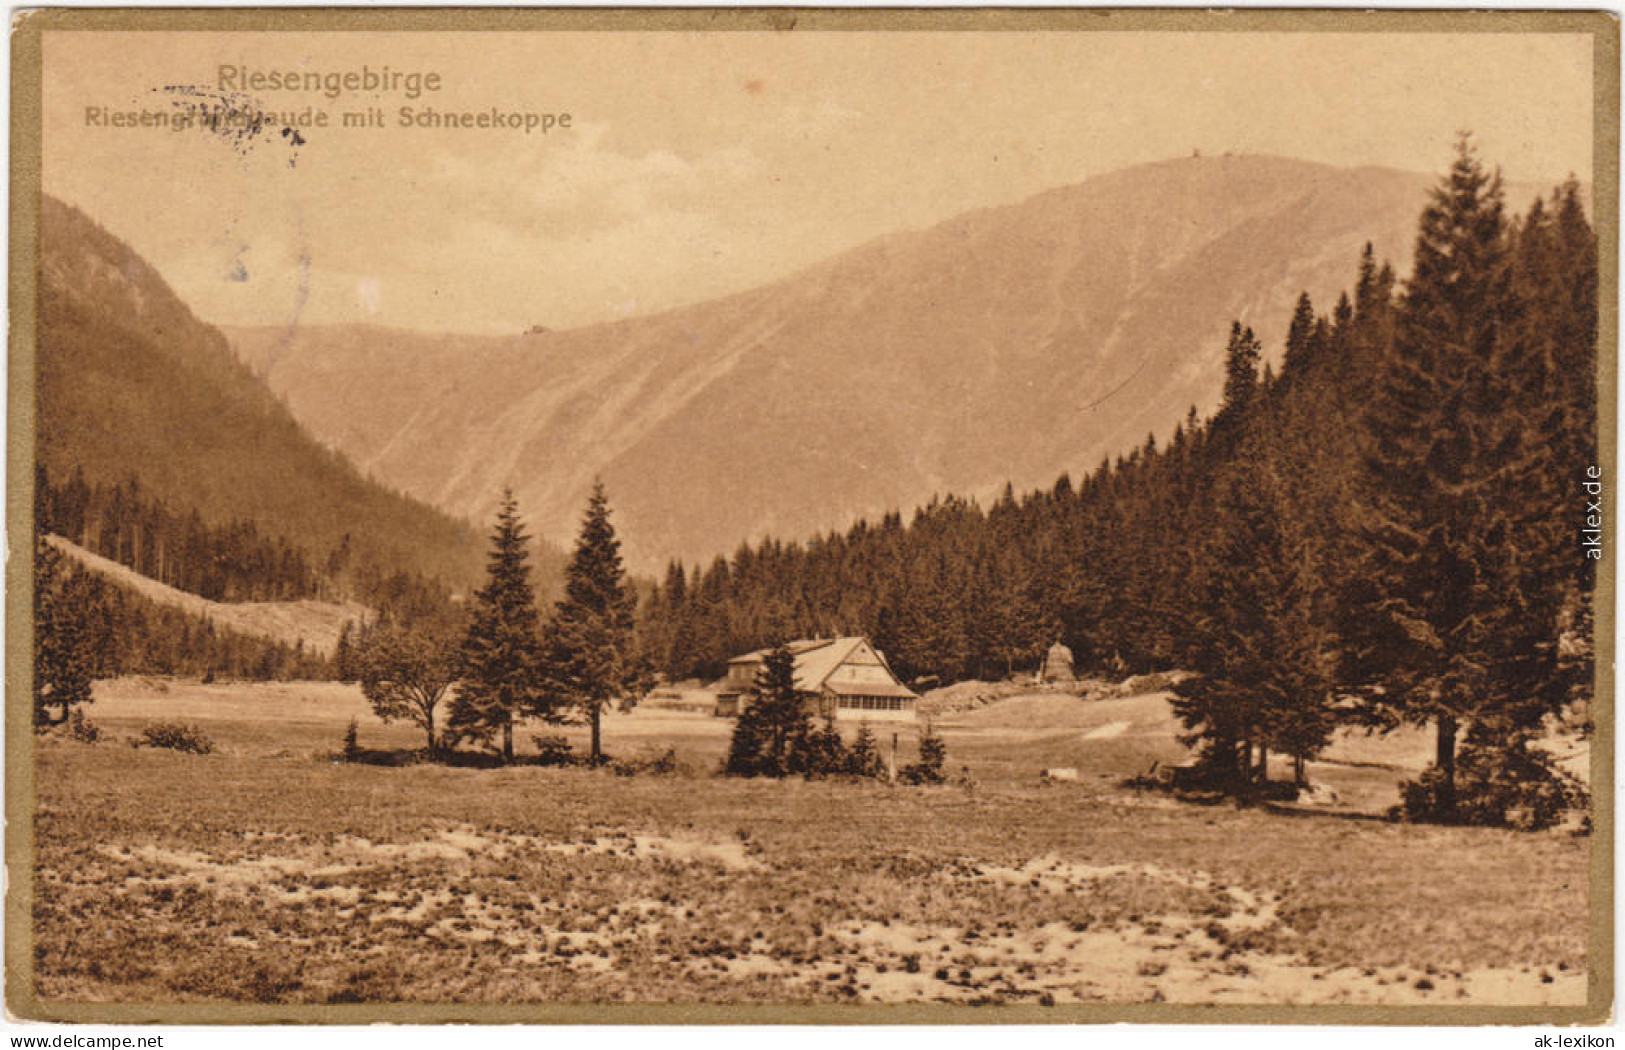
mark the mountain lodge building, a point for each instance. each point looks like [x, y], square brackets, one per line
[845, 678]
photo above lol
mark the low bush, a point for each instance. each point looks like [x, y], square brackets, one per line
[1505, 787]
[553, 751]
[176, 737]
[82, 729]
[663, 764]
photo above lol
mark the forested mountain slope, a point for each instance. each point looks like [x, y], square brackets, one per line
[131, 386]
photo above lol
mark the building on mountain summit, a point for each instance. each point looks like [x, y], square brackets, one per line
[844, 678]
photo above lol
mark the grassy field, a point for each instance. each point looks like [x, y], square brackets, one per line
[269, 873]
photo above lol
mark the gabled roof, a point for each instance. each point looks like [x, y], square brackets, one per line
[815, 665]
[797, 647]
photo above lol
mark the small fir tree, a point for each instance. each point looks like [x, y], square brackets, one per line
[863, 758]
[351, 749]
[746, 745]
[773, 721]
[820, 752]
[933, 758]
[81, 728]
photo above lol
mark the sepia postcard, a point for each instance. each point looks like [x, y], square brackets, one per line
[795, 516]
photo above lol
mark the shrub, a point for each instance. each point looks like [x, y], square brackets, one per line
[82, 729]
[663, 764]
[1512, 786]
[553, 751]
[176, 737]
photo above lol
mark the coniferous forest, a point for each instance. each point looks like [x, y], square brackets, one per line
[1385, 529]
[127, 633]
[87, 627]
[230, 562]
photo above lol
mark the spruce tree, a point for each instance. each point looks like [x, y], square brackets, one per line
[1454, 617]
[933, 757]
[591, 653]
[62, 655]
[501, 654]
[819, 752]
[1241, 357]
[1299, 338]
[746, 745]
[1253, 621]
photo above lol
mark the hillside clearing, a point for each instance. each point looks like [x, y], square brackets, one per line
[313, 624]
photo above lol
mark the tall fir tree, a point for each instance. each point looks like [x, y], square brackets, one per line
[1452, 621]
[591, 653]
[502, 679]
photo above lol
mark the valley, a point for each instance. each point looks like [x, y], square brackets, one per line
[1010, 344]
[267, 873]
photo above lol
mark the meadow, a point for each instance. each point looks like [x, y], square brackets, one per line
[268, 872]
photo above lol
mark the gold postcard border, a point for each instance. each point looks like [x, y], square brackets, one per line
[26, 80]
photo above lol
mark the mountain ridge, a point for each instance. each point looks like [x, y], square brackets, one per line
[130, 383]
[1009, 343]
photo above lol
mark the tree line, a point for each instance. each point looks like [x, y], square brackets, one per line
[87, 628]
[1385, 530]
[233, 562]
[230, 561]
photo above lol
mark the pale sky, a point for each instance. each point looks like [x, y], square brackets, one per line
[702, 164]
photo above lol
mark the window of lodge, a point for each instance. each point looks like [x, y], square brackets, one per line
[874, 703]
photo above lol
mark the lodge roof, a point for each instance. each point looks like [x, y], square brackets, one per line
[817, 659]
